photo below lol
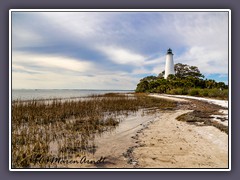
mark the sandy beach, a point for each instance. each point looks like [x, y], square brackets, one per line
[183, 132]
[158, 140]
[169, 143]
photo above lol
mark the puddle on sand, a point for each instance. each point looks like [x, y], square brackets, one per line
[112, 144]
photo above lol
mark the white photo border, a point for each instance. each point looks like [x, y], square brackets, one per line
[121, 10]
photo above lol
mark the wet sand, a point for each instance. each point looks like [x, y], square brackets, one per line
[158, 140]
[114, 144]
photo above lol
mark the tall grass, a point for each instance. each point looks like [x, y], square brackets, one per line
[41, 127]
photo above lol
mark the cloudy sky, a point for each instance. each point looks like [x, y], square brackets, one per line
[113, 50]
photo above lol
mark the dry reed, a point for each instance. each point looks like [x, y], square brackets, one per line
[41, 127]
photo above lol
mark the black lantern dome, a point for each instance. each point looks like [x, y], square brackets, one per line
[169, 51]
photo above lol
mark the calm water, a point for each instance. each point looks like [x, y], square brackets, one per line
[27, 94]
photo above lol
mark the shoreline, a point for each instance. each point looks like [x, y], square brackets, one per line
[169, 143]
[165, 142]
[155, 138]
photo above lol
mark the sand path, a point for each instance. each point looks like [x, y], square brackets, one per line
[169, 143]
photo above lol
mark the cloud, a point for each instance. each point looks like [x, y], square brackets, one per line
[83, 25]
[110, 49]
[64, 80]
[205, 36]
[41, 71]
[208, 60]
[28, 61]
[122, 56]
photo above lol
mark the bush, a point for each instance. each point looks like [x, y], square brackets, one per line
[203, 92]
[193, 92]
[172, 91]
[215, 93]
[218, 93]
[178, 91]
[184, 91]
[225, 93]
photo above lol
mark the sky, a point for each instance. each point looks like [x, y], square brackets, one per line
[113, 50]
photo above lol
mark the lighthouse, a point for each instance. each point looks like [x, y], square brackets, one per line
[169, 66]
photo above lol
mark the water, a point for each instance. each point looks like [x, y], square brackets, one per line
[112, 144]
[28, 94]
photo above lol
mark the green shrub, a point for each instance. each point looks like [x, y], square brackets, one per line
[184, 91]
[172, 91]
[193, 92]
[178, 91]
[203, 92]
[225, 93]
[213, 93]
[218, 93]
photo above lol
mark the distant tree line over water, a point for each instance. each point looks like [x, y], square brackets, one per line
[187, 80]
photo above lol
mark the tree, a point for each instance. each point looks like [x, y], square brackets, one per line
[221, 85]
[161, 75]
[149, 78]
[210, 83]
[143, 86]
[187, 80]
[184, 70]
[171, 77]
[153, 84]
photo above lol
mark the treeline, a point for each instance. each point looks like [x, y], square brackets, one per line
[187, 81]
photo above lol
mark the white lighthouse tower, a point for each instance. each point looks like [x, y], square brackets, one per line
[169, 66]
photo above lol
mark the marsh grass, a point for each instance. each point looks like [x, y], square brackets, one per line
[67, 128]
